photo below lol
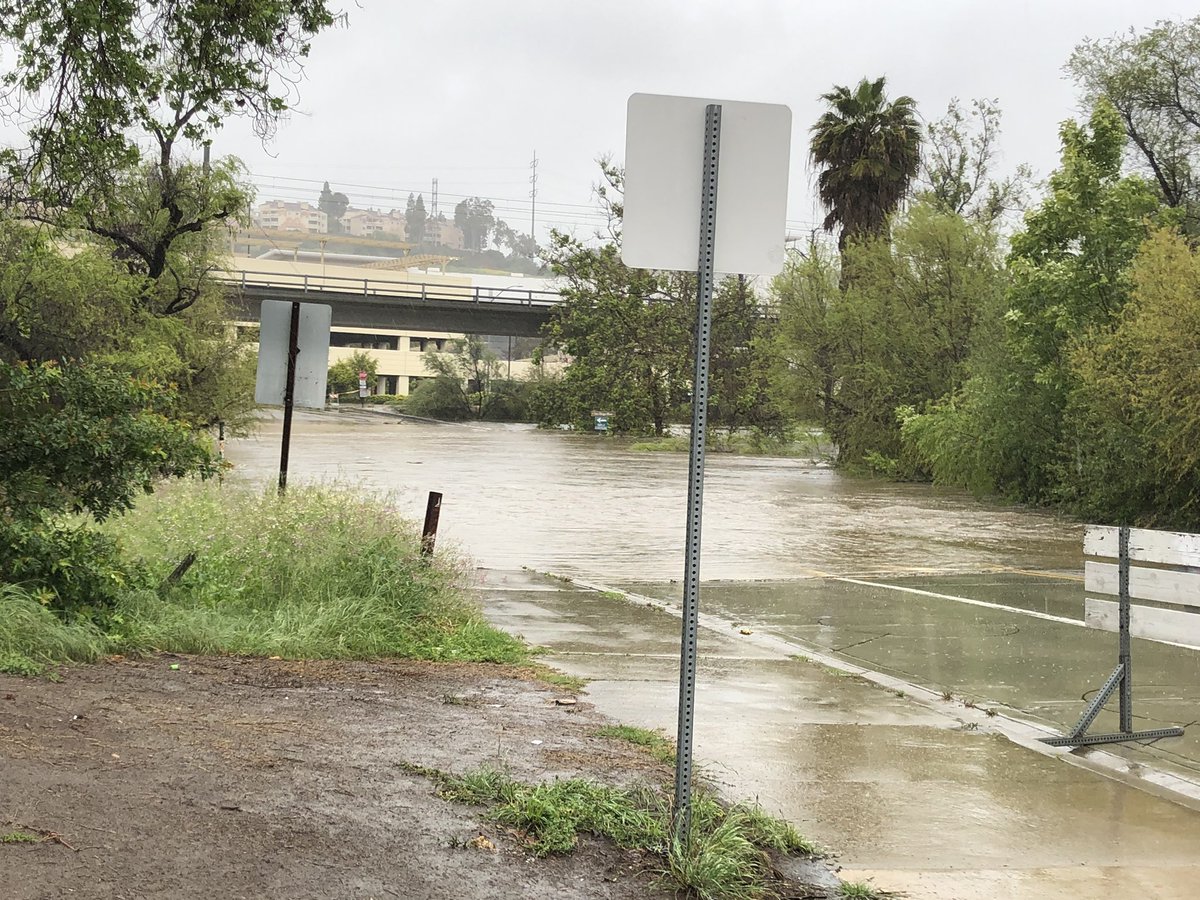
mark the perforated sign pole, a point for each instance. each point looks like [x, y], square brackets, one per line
[691, 580]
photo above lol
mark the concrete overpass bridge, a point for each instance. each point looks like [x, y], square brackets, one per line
[366, 302]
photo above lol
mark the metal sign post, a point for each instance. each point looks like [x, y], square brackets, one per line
[1121, 678]
[665, 171]
[293, 362]
[695, 506]
[289, 395]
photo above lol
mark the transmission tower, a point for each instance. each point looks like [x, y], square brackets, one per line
[533, 176]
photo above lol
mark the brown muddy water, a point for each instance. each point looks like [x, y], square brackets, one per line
[515, 496]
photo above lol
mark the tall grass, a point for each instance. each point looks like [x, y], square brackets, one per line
[32, 637]
[325, 572]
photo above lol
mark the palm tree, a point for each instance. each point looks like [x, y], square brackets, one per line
[868, 151]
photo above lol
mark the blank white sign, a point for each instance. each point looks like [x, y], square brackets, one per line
[312, 362]
[664, 159]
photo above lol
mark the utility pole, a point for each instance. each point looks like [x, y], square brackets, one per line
[533, 176]
[433, 198]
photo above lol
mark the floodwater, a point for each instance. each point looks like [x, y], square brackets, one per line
[515, 496]
[936, 591]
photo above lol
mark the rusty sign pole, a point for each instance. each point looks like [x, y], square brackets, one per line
[433, 512]
[691, 582]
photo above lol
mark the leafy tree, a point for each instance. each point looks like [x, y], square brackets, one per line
[343, 374]
[628, 333]
[958, 159]
[414, 219]
[92, 80]
[1153, 81]
[805, 292]
[79, 437]
[466, 384]
[741, 389]
[475, 217]
[630, 337]
[55, 305]
[900, 334]
[1069, 273]
[334, 206]
[1136, 407]
[86, 305]
[868, 152]
[515, 242]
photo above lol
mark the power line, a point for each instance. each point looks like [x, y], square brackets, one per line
[562, 212]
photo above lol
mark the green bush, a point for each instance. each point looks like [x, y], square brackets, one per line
[79, 437]
[70, 567]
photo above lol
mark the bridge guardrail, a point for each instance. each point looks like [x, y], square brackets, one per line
[378, 287]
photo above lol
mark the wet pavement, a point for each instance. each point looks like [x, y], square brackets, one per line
[933, 590]
[1042, 670]
[920, 795]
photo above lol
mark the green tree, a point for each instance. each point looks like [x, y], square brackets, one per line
[630, 337]
[414, 219]
[515, 242]
[958, 160]
[79, 437]
[805, 293]
[91, 81]
[343, 374]
[868, 152]
[476, 218]
[85, 304]
[465, 384]
[741, 388]
[1136, 406]
[900, 334]
[1152, 79]
[627, 333]
[1069, 272]
[334, 205]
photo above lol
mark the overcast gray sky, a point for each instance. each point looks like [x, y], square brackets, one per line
[466, 90]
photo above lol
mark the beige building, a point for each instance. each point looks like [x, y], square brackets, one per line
[400, 355]
[283, 216]
[366, 222]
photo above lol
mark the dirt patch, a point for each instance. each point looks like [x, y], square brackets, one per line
[241, 778]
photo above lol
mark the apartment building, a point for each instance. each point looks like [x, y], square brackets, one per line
[281, 215]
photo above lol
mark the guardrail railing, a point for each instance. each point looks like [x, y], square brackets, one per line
[379, 287]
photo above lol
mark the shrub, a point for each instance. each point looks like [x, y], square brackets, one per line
[70, 567]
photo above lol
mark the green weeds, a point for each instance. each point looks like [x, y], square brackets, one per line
[858, 890]
[657, 745]
[559, 679]
[726, 858]
[32, 637]
[19, 837]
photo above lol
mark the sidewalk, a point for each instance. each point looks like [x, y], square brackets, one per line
[916, 793]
